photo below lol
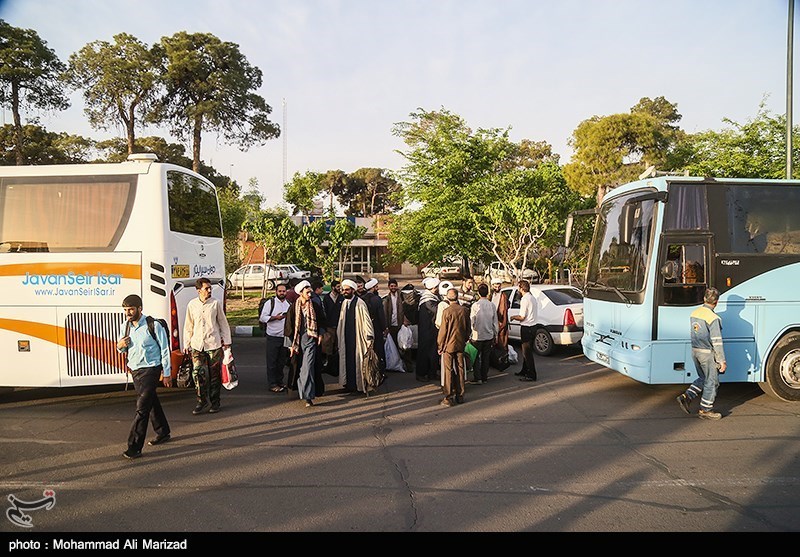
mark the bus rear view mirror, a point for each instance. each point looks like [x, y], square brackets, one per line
[669, 270]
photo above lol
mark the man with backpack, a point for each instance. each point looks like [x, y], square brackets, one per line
[272, 320]
[147, 357]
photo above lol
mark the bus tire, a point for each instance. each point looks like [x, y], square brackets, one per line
[783, 370]
[543, 343]
[270, 284]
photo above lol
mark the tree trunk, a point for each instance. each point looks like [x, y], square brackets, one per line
[131, 135]
[198, 128]
[17, 123]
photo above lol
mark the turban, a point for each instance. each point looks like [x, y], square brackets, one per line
[430, 283]
[371, 283]
[497, 281]
[444, 287]
[349, 283]
[300, 285]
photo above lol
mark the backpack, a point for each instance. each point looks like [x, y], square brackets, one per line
[261, 305]
[151, 326]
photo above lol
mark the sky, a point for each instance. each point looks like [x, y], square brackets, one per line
[339, 74]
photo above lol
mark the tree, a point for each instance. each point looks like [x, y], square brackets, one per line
[40, 146]
[368, 192]
[119, 82]
[448, 167]
[525, 218]
[754, 149]
[233, 212]
[274, 231]
[209, 86]
[302, 191]
[29, 77]
[324, 240]
[612, 150]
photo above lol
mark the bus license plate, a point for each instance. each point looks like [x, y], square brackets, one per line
[180, 271]
[603, 358]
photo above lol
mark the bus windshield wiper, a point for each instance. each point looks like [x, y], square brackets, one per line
[607, 287]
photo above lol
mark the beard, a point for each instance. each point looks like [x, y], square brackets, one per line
[348, 295]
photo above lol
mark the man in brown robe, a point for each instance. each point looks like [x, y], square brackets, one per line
[451, 341]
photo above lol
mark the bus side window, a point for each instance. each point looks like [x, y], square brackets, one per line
[687, 284]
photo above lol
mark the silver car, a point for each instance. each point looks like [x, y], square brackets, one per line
[257, 275]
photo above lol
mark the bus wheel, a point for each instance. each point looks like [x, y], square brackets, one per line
[542, 342]
[783, 370]
[270, 284]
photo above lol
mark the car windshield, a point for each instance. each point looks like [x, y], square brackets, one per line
[563, 296]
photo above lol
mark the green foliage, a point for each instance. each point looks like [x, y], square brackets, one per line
[477, 194]
[209, 87]
[613, 150]
[368, 192]
[40, 146]
[119, 82]
[754, 149]
[301, 192]
[29, 77]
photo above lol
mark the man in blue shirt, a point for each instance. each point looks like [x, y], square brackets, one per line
[147, 358]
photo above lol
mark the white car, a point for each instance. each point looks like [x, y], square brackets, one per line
[257, 275]
[496, 270]
[559, 316]
[294, 271]
[450, 269]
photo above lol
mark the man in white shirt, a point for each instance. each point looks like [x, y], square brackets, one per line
[393, 308]
[206, 334]
[274, 314]
[483, 318]
[527, 320]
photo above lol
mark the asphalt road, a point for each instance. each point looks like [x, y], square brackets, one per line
[581, 450]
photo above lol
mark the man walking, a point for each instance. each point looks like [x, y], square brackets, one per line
[500, 301]
[375, 306]
[393, 309]
[527, 320]
[355, 336]
[274, 314]
[147, 358]
[207, 334]
[309, 325]
[708, 355]
[483, 318]
[451, 342]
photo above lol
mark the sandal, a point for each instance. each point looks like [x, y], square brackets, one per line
[278, 389]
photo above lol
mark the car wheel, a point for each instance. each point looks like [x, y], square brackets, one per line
[270, 284]
[543, 342]
[228, 284]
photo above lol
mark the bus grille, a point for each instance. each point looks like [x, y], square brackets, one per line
[91, 343]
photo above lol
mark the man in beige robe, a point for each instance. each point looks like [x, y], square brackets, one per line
[355, 336]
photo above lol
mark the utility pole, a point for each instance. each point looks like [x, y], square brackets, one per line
[789, 52]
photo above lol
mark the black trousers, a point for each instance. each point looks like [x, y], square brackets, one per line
[480, 368]
[526, 335]
[148, 407]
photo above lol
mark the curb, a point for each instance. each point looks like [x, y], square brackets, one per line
[247, 331]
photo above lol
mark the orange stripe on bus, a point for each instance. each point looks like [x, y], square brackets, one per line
[58, 268]
[82, 342]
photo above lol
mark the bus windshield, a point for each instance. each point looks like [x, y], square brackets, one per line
[622, 243]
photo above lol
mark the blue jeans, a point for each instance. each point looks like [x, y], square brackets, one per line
[707, 381]
[305, 380]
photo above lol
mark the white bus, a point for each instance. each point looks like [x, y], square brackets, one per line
[75, 240]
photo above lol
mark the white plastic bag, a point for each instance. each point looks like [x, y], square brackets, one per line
[405, 338]
[512, 355]
[393, 360]
[229, 376]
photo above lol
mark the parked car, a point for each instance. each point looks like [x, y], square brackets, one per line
[559, 316]
[496, 270]
[294, 271]
[254, 276]
[449, 269]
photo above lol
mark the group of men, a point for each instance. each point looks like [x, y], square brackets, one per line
[147, 349]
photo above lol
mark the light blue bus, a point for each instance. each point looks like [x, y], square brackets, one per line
[659, 242]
